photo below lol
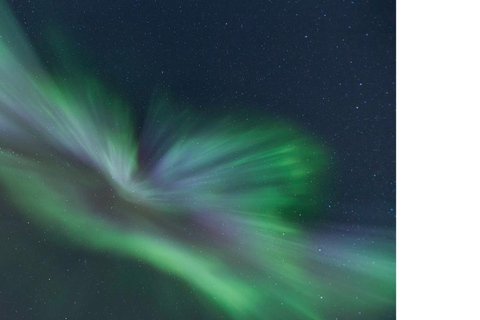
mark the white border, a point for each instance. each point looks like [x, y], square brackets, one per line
[438, 141]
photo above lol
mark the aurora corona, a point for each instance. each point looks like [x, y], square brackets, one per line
[212, 204]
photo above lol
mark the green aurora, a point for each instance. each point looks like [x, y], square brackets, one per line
[210, 203]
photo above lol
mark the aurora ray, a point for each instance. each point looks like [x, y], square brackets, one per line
[209, 203]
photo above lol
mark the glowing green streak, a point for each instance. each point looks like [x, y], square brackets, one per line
[50, 206]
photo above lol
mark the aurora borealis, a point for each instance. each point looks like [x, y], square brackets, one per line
[210, 202]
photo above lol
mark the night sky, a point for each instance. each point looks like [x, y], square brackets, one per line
[329, 66]
[326, 67]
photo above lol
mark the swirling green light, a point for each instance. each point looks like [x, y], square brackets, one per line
[209, 203]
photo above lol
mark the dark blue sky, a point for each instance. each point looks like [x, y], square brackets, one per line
[327, 66]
